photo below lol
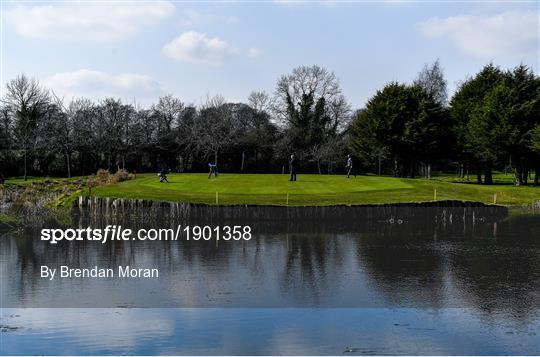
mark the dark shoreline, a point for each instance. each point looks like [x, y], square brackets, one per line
[95, 207]
[285, 218]
[89, 201]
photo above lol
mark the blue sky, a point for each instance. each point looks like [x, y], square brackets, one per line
[139, 51]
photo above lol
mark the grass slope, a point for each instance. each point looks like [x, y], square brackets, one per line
[272, 189]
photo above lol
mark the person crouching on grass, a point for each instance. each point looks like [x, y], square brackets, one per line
[213, 170]
[163, 176]
[349, 167]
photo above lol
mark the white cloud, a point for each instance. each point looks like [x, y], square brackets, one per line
[98, 85]
[192, 18]
[196, 47]
[255, 52]
[86, 21]
[513, 33]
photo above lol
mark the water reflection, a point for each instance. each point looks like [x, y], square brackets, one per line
[285, 331]
[382, 280]
[394, 257]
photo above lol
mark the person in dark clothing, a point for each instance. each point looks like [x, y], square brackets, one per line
[292, 168]
[213, 170]
[163, 175]
[349, 166]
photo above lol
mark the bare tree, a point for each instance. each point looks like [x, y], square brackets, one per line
[114, 120]
[69, 129]
[82, 115]
[432, 80]
[304, 82]
[339, 111]
[215, 127]
[310, 104]
[27, 101]
[59, 131]
[215, 101]
[329, 151]
[168, 113]
[260, 101]
[5, 134]
[168, 110]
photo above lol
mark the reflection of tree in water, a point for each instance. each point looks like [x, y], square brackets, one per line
[501, 274]
[407, 273]
[307, 272]
[492, 267]
[410, 259]
[405, 258]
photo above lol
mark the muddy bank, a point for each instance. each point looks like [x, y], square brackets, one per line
[33, 203]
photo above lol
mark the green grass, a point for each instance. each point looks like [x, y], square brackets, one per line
[9, 220]
[272, 189]
[57, 192]
[38, 179]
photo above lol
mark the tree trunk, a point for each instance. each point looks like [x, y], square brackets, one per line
[243, 159]
[25, 173]
[518, 175]
[536, 176]
[81, 163]
[429, 172]
[68, 164]
[488, 175]
[257, 159]
[319, 167]
[478, 176]
[215, 157]
[379, 169]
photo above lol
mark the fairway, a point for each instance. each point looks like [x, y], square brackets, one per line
[309, 190]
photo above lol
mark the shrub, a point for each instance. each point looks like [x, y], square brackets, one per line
[121, 175]
[104, 177]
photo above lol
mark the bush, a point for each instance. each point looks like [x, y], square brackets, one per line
[104, 177]
[121, 175]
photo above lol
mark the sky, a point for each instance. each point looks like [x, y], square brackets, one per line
[138, 51]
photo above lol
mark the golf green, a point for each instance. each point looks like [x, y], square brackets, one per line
[276, 189]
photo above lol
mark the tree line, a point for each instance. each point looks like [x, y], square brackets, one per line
[492, 122]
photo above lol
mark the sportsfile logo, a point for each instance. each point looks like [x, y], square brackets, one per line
[119, 233]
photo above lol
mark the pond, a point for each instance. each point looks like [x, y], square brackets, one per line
[365, 280]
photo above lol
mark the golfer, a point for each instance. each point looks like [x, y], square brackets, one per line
[292, 168]
[349, 166]
[163, 175]
[213, 170]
